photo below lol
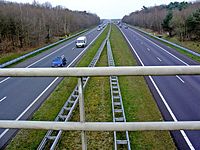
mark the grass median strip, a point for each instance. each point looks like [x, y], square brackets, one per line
[30, 139]
[97, 109]
[138, 102]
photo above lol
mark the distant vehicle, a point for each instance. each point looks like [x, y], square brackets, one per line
[120, 26]
[126, 27]
[81, 41]
[59, 61]
[99, 29]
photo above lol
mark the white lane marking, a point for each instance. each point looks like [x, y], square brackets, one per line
[159, 59]
[73, 48]
[161, 48]
[180, 79]
[163, 99]
[3, 98]
[45, 56]
[6, 130]
[53, 52]
[4, 80]
[48, 55]
[148, 49]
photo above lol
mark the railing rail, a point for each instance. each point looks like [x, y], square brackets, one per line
[101, 71]
[101, 126]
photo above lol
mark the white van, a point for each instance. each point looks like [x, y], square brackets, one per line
[81, 41]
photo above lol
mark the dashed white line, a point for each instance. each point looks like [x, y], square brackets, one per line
[161, 48]
[180, 79]
[73, 48]
[3, 99]
[161, 95]
[159, 59]
[6, 130]
[148, 49]
[4, 80]
[44, 57]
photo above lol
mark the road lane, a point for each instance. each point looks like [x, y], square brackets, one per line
[27, 94]
[169, 91]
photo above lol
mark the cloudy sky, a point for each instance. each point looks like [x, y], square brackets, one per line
[108, 9]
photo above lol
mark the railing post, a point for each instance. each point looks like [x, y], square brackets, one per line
[82, 112]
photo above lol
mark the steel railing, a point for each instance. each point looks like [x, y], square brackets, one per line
[100, 126]
[52, 137]
[101, 71]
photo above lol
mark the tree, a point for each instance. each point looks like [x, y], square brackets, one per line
[166, 23]
[193, 24]
[25, 25]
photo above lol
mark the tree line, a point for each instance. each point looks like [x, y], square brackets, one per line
[31, 25]
[177, 19]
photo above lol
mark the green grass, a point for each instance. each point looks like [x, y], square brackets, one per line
[138, 102]
[30, 139]
[192, 45]
[137, 99]
[97, 108]
[13, 55]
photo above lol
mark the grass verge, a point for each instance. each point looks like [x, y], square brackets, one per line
[30, 139]
[137, 99]
[188, 44]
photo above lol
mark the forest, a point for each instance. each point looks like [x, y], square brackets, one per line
[25, 26]
[176, 19]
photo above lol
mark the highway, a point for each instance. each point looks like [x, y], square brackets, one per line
[21, 97]
[177, 97]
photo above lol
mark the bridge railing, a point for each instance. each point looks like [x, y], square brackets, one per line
[100, 71]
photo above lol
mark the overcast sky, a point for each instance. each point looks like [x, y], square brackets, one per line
[106, 9]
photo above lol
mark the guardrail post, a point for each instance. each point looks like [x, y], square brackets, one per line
[82, 112]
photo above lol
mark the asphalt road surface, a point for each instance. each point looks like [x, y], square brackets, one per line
[21, 96]
[178, 97]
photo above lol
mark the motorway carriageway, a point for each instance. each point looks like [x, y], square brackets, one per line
[21, 96]
[177, 97]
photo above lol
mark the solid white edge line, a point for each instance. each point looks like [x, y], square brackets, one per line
[3, 98]
[30, 105]
[6, 130]
[180, 79]
[46, 56]
[162, 97]
[160, 48]
[55, 51]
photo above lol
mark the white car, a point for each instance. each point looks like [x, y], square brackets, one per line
[81, 41]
